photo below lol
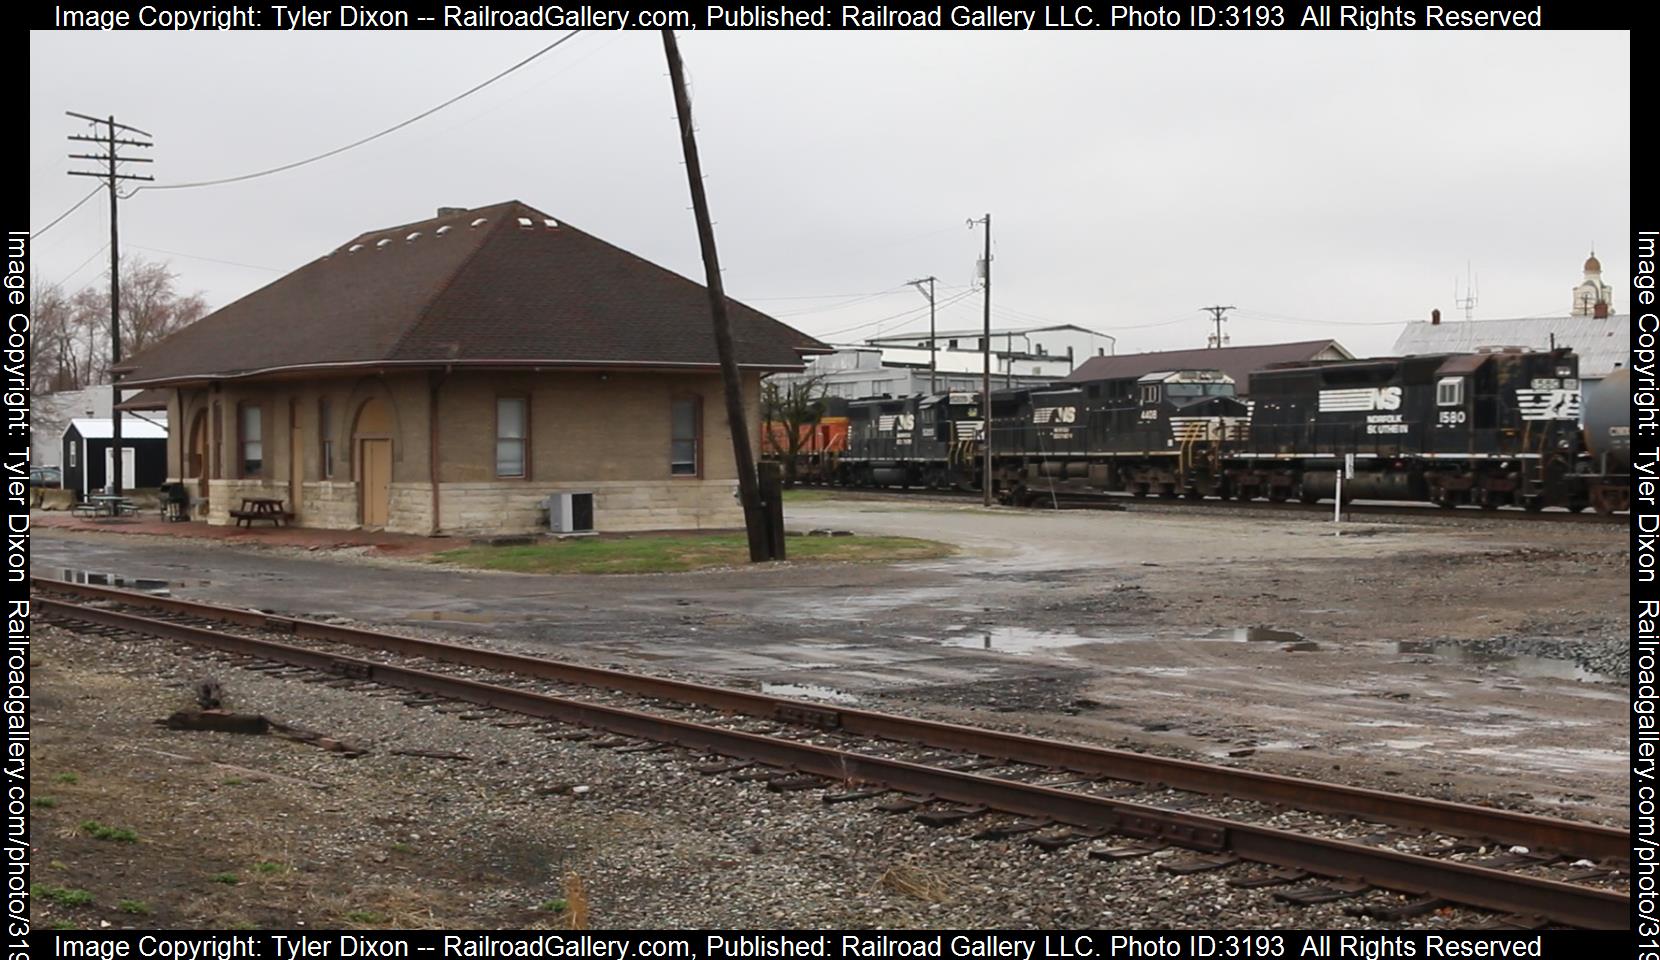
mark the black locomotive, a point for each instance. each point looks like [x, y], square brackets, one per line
[1487, 429]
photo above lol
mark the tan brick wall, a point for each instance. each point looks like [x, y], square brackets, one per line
[608, 433]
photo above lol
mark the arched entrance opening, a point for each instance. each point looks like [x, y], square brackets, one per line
[372, 449]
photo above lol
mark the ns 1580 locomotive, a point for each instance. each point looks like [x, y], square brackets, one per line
[1488, 429]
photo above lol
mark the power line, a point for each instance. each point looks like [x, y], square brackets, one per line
[372, 137]
[192, 256]
[66, 213]
[910, 314]
[844, 304]
[1282, 318]
[88, 260]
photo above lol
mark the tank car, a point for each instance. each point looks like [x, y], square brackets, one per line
[1606, 470]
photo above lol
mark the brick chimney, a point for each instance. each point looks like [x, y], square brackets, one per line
[1600, 311]
[1435, 318]
[451, 211]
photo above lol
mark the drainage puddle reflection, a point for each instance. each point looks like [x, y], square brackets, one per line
[1016, 640]
[161, 588]
[808, 691]
[1523, 665]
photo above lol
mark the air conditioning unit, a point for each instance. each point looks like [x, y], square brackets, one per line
[570, 513]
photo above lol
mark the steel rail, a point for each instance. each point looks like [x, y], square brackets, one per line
[1595, 841]
[1445, 879]
[1120, 500]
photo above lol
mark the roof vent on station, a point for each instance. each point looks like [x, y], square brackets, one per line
[354, 248]
[551, 223]
[412, 236]
[477, 223]
[382, 244]
[450, 211]
[446, 228]
[525, 223]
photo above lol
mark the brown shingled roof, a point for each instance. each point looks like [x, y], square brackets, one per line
[495, 293]
[1236, 362]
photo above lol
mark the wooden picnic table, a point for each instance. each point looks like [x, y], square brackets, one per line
[260, 508]
[109, 505]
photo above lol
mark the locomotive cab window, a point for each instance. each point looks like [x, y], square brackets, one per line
[1449, 392]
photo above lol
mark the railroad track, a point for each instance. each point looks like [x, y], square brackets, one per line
[1041, 499]
[1057, 793]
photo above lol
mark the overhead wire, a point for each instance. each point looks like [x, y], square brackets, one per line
[369, 139]
[59, 218]
[910, 314]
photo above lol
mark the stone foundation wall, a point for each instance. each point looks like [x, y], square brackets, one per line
[329, 503]
[410, 508]
[619, 506]
[226, 495]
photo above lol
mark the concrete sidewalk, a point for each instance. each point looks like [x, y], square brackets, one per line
[298, 538]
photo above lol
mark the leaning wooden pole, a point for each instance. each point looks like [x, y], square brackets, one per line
[737, 423]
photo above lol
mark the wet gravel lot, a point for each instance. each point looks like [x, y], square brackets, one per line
[237, 831]
[1470, 658]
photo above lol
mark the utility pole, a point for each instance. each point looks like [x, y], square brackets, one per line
[985, 358]
[112, 144]
[760, 545]
[1217, 339]
[933, 364]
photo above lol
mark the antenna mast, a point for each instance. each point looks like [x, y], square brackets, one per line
[1472, 293]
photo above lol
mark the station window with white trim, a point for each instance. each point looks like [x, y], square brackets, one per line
[1449, 392]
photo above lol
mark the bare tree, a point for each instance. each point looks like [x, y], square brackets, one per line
[791, 411]
[70, 331]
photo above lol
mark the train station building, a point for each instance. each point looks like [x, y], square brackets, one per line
[449, 375]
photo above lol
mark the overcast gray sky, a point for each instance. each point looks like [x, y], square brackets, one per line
[1327, 184]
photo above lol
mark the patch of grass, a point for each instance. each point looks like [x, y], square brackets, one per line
[366, 916]
[62, 895]
[137, 908]
[98, 831]
[68, 778]
[45, 803]
[232, 782]
[269, 867]
[677, 553]
[61, 925]
[556, 905]
[402, 848]
[227, 878]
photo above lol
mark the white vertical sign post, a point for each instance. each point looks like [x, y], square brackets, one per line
[1348, 472]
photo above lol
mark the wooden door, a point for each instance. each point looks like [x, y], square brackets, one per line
[296, 460]
[376, 457]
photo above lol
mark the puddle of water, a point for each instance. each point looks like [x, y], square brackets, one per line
[1016, 640]
[808, 691]
[1523, 665]
[161, 588]
[1254, 635]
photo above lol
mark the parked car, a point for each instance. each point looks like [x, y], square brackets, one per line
[45, 477]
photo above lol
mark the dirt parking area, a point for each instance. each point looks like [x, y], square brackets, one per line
[1475, 658]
